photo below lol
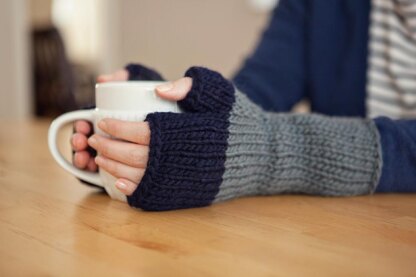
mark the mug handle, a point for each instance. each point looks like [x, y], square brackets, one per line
[91, 177]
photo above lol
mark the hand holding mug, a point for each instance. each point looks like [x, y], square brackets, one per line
[125, 154]
[169, 138]
[82, 159]
[129, 101]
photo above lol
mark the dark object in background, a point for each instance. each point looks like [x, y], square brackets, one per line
[84, 90]
[53, 78]
[59, 87]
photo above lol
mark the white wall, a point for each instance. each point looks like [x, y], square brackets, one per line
[15, 101]
[90, 31]
[167, 35]
[173, 35]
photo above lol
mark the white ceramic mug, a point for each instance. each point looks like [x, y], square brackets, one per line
[130, 101]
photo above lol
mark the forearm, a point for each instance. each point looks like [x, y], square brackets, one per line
[271, 153]
[224, 146]
[274, 75]
[398, 143]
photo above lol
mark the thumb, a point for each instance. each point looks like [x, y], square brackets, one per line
[176, 90]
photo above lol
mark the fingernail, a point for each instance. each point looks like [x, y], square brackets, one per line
[103, 125]
[165, 87]
[120, 185]
[92, 141]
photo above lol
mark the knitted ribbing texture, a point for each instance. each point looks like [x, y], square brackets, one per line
[224, 146]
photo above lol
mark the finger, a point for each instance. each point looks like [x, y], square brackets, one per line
[131, 154]
[92, 166]
[119, 75]
[120, 170]
[176, 90]
[137, 132]
[104, 78]
[126, 186]
[79, 142]
[83, 127]
[81, 159]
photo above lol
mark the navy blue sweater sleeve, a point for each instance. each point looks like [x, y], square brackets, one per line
[274, 75]
[398, 142]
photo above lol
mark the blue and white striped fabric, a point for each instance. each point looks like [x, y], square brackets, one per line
[391, 72]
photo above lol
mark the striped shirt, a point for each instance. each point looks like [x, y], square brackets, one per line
[391, 75]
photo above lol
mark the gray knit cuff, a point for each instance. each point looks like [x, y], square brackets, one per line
[271, 153]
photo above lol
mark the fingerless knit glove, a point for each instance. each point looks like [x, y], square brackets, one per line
[138, 72]
[224, 146]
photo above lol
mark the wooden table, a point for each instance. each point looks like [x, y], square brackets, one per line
[50, 224]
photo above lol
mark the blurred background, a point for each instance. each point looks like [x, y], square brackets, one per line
[52, 50]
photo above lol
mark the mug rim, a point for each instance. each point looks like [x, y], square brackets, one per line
[128, 83]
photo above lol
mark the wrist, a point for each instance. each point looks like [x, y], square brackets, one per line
[186, 159]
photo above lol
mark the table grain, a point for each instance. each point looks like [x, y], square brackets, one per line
[52, 225]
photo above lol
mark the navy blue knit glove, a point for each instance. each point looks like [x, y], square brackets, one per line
[138, 72]
[224, 146]
[187, 151]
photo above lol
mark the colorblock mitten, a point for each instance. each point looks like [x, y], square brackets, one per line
[224, 146]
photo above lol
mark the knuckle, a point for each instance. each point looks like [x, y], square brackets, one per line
[114, 169]
[117, 129]
[104, 149]
[139, 176]
[143, 134]
[136, 157]
[146, 137]
[141, 137]
[113, 128]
